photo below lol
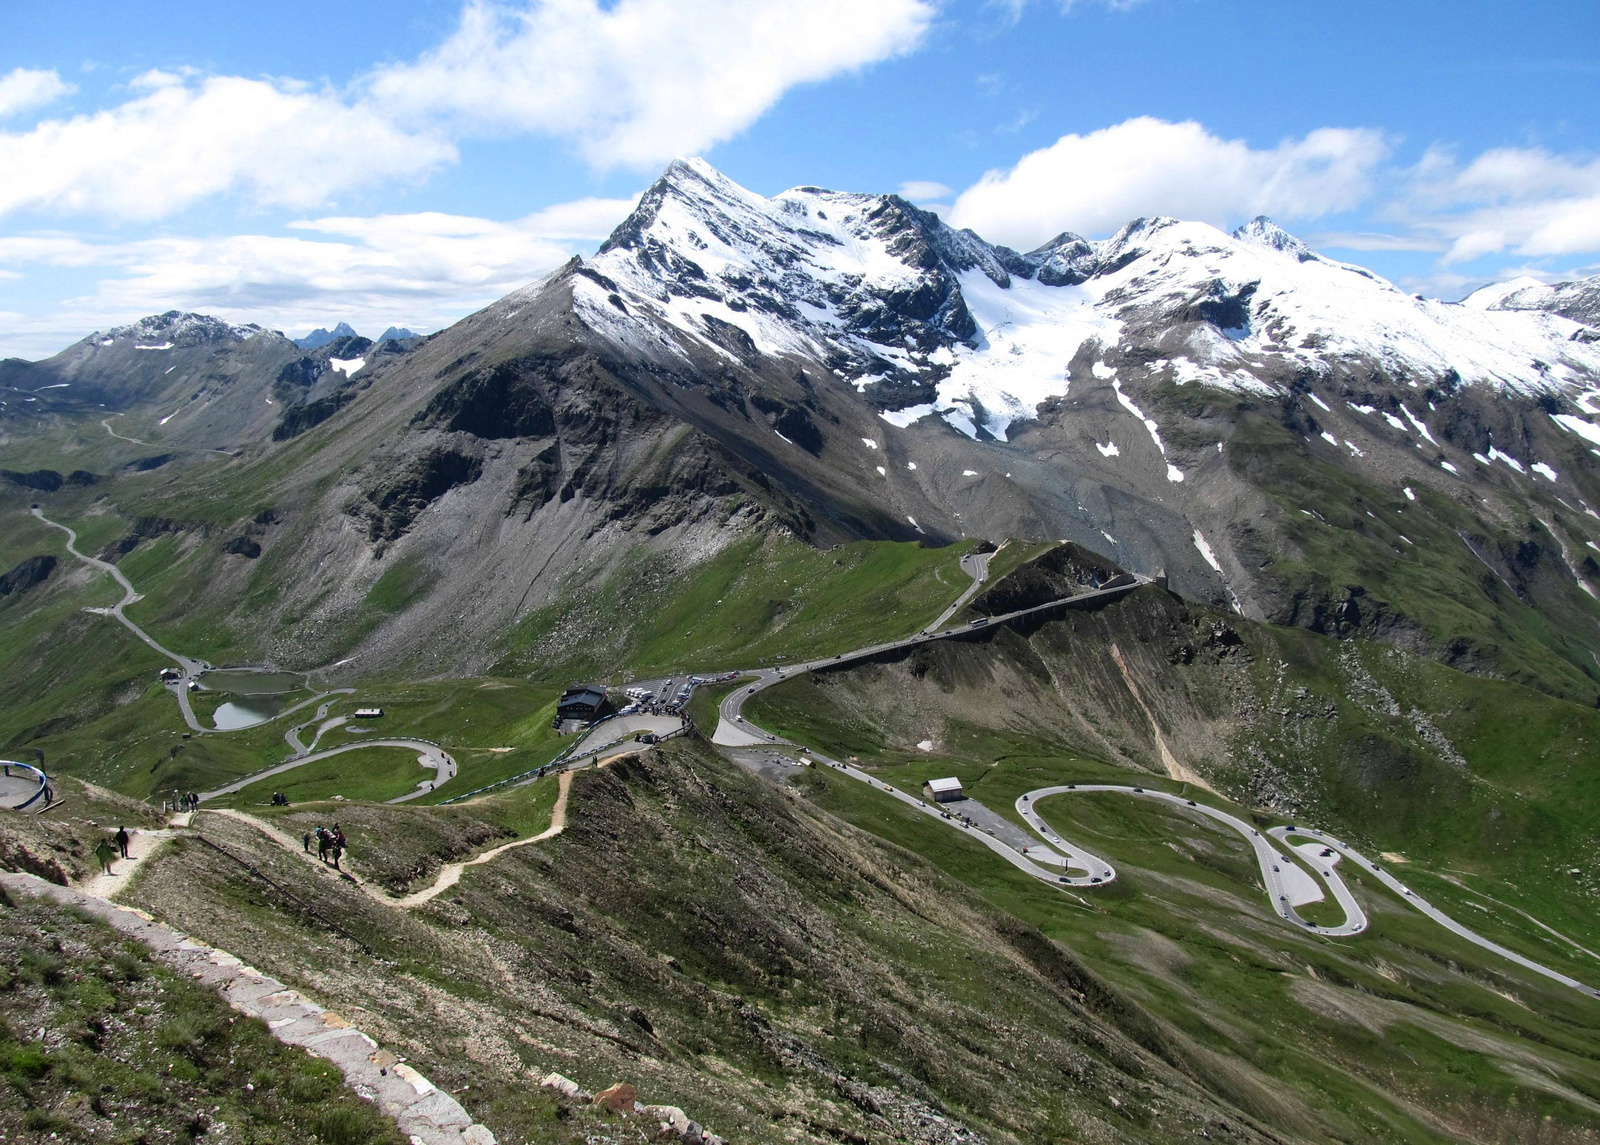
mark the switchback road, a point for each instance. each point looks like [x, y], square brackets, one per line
[1069, 866]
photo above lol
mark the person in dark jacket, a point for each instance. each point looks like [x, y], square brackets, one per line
[122, 841]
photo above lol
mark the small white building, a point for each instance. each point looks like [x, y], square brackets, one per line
[368, 713]
[943, 790]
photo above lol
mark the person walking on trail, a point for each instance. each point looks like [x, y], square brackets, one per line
[105, 852]
[306, 841]
[335, 851]
[122, 841]
[324, 842]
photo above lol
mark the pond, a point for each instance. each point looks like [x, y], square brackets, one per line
[236, 714]
[251, 681]
[259, 694]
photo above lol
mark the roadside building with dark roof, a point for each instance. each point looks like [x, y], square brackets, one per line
[581, 702]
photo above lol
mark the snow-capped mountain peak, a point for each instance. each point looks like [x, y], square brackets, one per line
[1578, 300]
[177, 329]
[1262, 231]
[928, 320]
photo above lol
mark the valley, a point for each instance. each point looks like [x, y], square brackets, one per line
[1245, 597]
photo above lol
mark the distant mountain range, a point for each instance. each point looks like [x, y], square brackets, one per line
[1283, 434]
[320, 337]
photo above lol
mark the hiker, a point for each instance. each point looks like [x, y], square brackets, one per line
[306, 842]
[324, 841]
[105, 853]
[336, 850]
[194, 802]
[122, 841]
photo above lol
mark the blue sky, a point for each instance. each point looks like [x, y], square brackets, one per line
[407, 162]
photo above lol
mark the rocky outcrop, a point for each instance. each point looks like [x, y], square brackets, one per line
[27, 573]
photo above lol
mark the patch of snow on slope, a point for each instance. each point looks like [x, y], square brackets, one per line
[1102, 371]
[1574, 424]
[1353, 449]
[1447, 465]
[1359, 408]
[1329, 438]
[347, 366]
[1496, 455]
[1320, 402]
[913, 521]
[1394, 421]
[969, 473]
[911, 465]
[162, 346]
[1109, 449]
[869, 443]
[1174, 474]
[1027, 338]
[168, 418]
[1543, 470]
[1422, 427]
[1204, 547]
[900, 418]
[1410, 496]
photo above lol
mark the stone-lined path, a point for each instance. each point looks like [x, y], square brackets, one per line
[427, 1114]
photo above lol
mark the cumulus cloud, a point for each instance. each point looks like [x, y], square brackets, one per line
[1094, 183]
[23, 89]
[1524, 200]
[924, 191]
[423, 270]
[637, 82]
[629, 82]
[181, 139]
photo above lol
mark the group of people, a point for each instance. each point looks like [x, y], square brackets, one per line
[182, 802]
[109, 850]
[330, 843]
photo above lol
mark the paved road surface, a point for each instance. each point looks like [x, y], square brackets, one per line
[429, 755]
[1428, 908]
[734, 731]
[1273, 863]
[975, 565]
[188, 665]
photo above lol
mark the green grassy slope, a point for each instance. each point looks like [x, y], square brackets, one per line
[99, 1042]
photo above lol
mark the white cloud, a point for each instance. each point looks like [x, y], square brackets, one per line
[1372, 240]
[179, 140]
[1094, 183]
[23, 89]
[638, 82]
[1524, 200]
[421, 270]
[924, 191]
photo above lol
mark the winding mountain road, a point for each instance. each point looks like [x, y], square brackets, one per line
[430, 755]
[733, 730]
[1057, 860]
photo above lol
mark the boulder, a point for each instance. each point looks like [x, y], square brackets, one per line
[566, 1087]
[669, 1117]
[620, 1098]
